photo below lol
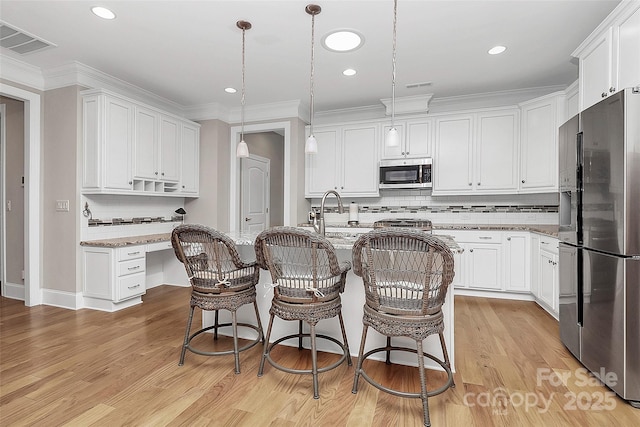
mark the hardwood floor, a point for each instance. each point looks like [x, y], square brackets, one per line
[79, 368]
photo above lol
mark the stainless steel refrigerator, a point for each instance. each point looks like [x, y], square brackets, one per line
[599, 306]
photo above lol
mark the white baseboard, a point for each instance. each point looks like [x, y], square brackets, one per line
[14, 291]
[494, 294]
[62, 299]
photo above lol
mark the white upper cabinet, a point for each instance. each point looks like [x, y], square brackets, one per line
[452, 166]
[476, 153]
[130, 148]
[190, 169]
[107, 134]
[541, 119]
[609, 59]
[346, 161]
[415, 139]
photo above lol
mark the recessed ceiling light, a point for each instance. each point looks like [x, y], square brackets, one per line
[497, 50]
[342, 41]
[230, 90]
[349, 72]
[103, 12]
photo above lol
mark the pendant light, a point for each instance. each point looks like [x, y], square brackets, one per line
[242, 150]
[393, 139]
[311, 145]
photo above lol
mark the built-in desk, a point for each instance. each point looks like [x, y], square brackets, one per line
[117, 272]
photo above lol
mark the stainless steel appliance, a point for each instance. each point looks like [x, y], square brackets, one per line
[422, 224]
[406, 173]
[600, 240]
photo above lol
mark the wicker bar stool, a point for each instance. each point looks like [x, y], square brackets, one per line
[406, 274]
[220, 280]
[307, 282]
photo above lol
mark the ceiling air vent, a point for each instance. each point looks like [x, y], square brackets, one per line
[20, 41]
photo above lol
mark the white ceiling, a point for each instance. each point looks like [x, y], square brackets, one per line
[189, 51]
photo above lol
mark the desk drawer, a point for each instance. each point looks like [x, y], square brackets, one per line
[131, 252]
[131, 267]
[131, 286]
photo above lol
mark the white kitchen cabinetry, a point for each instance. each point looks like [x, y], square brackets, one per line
[107, 133]
[346, 161]
[190, 169]
[476, 153]
[609, 59]
[547, 288]
[131, 148]
[479, 267]
[517, 261]
[113, 278]
[541, 118]
[415, 139]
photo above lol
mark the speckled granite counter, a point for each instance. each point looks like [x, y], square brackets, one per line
[128, 241]
[340, 242]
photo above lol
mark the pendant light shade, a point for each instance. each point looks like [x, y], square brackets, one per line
[242, 150]
[311, 145]
[393, 139]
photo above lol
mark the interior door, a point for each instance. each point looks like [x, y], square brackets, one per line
[254, 209]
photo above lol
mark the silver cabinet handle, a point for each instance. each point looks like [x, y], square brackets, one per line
[134, 286]
[247, 219]
[604, 94]
[470, 184]
[509, 238]
[133, 253]
[485, 237]
[133, 268]
[470, 250]
[478, 183]
[612, 89]
[156, 173]
[523, 181]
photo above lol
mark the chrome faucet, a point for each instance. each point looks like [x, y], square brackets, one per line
[318, 223]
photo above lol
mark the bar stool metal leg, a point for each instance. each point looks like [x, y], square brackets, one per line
[344, 339]
[265, 351]
[260, 330]
[236, 353]
[215, 325]
[354, 390]
[186, 336]
[314, 360]
[423, 385]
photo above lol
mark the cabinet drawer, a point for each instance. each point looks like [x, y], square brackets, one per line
[159, 246]
[130, 252]
[130, 286]
[131, 267]
[549, 244]
[489, 236]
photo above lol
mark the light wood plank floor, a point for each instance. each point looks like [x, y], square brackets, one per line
[63, 367]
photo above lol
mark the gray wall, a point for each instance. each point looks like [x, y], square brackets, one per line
[271, 146]
[61, 148]
[14, 171]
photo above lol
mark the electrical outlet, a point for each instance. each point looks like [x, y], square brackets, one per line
[62, 205]
[8, 205]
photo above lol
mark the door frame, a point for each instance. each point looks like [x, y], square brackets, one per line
[32, 166]
[234, 162]
[3, 202]
[267, 162]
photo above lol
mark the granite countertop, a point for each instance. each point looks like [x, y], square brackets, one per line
[339, 240]
[128, 241]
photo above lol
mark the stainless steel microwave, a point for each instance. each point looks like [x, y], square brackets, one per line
[406, 173]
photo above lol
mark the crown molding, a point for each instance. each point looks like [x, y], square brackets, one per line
[408, 104]
[76, 73]
[368, 112]
[212, 111]
[490, 99]
[20, 72]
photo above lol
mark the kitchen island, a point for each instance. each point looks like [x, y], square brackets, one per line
[353, 300]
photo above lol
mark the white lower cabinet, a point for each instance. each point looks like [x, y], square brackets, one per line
[548, 280]
[113, 278]
[517, 261]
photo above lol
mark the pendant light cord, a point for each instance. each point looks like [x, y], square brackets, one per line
[313, 21]
[242, 97]
[393, 63]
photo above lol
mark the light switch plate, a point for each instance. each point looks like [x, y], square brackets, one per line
[62, 205]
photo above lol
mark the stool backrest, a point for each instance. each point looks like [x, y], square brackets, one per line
[211, 260]
[404, 271]
[303, 265]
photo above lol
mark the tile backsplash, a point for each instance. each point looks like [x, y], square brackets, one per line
[502, 209]
[107, 207]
